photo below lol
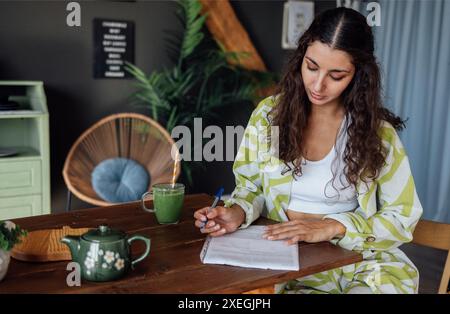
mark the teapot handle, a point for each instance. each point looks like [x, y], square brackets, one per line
[147, 248]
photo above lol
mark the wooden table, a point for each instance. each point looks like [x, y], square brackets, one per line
[173, 265]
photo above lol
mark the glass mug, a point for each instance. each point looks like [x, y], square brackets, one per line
[167, 202]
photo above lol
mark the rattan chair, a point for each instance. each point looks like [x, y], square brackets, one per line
[127, 135]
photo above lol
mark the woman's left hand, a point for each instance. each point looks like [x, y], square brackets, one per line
[311, 230]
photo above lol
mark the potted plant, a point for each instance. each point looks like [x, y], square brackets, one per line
[10, 235]
[201, 81]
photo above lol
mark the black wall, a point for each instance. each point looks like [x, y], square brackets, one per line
[36, 44]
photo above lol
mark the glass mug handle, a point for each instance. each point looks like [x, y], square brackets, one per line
[150, 210]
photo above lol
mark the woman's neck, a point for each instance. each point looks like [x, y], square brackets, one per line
[334, 110]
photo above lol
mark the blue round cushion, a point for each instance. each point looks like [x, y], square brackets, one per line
[120, 180]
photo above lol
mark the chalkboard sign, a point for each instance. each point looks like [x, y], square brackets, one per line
[113, 45]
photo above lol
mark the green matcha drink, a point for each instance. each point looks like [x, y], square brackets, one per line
[167, 201]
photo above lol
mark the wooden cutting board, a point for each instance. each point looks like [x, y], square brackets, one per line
[45, 245]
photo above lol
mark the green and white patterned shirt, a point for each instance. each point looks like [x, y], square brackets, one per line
[388, 210]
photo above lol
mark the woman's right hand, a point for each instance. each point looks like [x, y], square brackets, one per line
[220, 220]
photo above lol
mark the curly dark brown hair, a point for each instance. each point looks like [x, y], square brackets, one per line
[347, 30]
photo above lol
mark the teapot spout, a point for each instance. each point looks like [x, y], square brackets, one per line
[73, 242]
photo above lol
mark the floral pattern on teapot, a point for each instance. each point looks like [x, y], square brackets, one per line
[108, 259]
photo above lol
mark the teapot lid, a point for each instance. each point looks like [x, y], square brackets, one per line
[103, 234]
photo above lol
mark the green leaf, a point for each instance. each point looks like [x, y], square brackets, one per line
[172, 119]
[10, 236]
[193, 25]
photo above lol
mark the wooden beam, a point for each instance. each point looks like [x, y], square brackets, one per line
[226, 28]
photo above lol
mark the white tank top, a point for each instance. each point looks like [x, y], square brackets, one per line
[315, 191]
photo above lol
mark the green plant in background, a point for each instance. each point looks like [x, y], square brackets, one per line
[10, 235]
[201, 80]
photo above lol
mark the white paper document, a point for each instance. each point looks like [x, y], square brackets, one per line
[247, 248]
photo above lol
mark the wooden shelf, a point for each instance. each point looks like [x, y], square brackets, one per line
[25, 153]
[20, 114]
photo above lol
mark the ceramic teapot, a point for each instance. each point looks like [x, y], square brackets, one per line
[104, 254]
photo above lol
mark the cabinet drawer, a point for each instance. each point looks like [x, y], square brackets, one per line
[20, 178]
[23, 206]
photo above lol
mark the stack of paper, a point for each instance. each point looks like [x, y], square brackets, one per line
[247, 248]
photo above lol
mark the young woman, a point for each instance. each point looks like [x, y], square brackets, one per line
[339, 172]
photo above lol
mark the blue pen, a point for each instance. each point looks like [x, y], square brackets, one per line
[214, 204]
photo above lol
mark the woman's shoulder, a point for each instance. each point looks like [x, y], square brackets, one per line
[260, 115]
[389, 136]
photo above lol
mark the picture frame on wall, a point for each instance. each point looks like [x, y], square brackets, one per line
[297, 16]
[113, 47]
